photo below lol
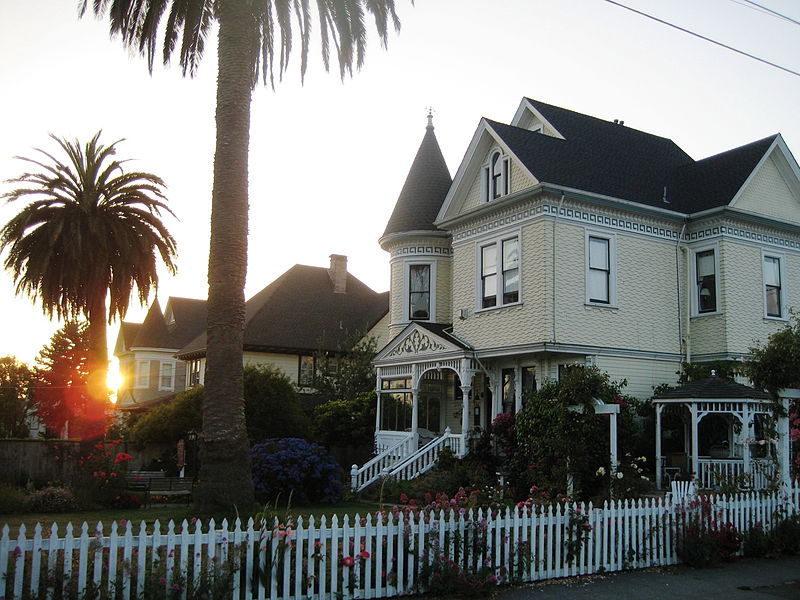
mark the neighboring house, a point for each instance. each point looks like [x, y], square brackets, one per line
[565, 239]
[307, 310]
[146, 351]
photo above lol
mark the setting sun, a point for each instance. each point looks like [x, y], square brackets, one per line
[113, 380]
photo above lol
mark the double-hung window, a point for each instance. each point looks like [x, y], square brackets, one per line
[773, 286]
[499, 269]
[600, 269]
[706, 275]
[166, 376]
[142, 375]
[419, 292]
[496, 176]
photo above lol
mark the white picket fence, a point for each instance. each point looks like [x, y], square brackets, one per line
[373, 557]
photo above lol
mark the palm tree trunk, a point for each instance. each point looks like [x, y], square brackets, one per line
[94, 414]
[225, 463]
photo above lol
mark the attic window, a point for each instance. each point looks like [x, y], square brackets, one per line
[496, 176]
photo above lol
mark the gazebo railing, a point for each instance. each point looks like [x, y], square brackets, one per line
[714, 472]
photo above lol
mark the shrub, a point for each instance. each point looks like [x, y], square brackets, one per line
[52, 499]
[787, 535]
[291, 465]
[102, 472]
[12, 499]
[757, 543]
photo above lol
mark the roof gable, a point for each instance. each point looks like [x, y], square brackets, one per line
[420, 340]
[773, 186]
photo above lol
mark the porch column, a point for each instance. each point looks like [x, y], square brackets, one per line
[377, 408]
[747, 427]
[496, 383]
[415, 418]
[466, 392]
[613, 441]
[783, 446]
[695, 444]
[517, 389]
[659, 459]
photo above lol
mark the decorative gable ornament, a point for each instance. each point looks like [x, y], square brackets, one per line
[416, 343]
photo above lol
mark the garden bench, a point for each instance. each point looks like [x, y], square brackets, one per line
[170, 486]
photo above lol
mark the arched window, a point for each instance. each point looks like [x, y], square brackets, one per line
[495, 176]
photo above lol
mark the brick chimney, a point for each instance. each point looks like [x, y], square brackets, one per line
[338, 273]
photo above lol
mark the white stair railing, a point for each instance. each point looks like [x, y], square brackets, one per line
[373, 469]
[425, 458]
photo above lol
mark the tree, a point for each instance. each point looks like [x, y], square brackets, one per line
[89, 235]
[62, 374]
[776, 364]
[249, 37]
[15, 397]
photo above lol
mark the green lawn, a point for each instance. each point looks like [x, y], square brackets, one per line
[163, 514]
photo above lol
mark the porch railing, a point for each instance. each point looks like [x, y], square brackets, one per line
[425, 458]
[372, 470]
[713, 472]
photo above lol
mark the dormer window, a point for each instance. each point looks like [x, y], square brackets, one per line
[496, 176]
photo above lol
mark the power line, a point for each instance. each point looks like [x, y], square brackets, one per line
[773, 12]
[702, 37]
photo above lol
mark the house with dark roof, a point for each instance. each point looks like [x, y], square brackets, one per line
[305, 311]
[146, 352]
[565, 239]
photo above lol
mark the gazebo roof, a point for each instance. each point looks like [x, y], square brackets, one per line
[712, 388]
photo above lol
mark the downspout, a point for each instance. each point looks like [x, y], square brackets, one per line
[688, 329]
[555, 222]
[682, 341]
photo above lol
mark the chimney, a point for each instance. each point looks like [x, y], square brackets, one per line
[338, 273]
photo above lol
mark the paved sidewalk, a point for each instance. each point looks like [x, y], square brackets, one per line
[750, 579]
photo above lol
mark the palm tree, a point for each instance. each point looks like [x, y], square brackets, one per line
[252, 35]
[89, 235]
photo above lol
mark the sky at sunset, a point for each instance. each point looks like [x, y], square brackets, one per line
[328, 158]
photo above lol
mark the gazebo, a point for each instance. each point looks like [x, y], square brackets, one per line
[716, 431]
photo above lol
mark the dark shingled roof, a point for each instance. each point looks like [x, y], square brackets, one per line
[125, 338]
[189, 316]
[610, 159]
[300, 312]
[153, 333]
[712, 388]
[424, 191]
[182, 321]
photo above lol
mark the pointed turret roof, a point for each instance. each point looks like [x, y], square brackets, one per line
[153, 332]
[424, 190]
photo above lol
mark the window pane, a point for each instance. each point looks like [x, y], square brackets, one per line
[306, 376]
[707, 294]
[772, 271]
[598, 253]
[489, 260]
[420, 305]
[420, 278]
[705, 264]
[510, 254]
[489, 291]
[598, 286]
[774, 301]
[511, 286]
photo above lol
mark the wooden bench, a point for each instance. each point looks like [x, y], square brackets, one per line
[156, 483]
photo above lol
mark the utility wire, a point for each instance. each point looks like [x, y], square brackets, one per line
[773, 12]
[702, 37]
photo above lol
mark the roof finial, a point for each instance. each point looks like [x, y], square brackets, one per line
[430, 117]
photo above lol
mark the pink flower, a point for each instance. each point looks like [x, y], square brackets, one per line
[795, 434]
[122, 457]
[348, 561]
[364, 554]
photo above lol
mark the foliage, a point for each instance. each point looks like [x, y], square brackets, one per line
[272, 408]
[347, 422]
[283, 466]
[62, 373]
[52, 499]
[102, 474]
[15, 397]
[727, 369]
[787, 535]
[702, 538]
[169, 422]
[757, 543]
[348, 372]
[12, 499]
[628, 479]
[272, 405]
[776, 364]
[91, 231]
[561, 439]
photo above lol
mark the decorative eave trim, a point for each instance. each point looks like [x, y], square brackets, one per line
[549, 347]
[410, 235]
[744, 215]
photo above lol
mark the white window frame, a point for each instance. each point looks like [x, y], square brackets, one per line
[407, 290]
[612, 268]
[487, 192]
[693, 280]
[195, 367]
[170, 364]
[781, 258]
[141, 375]
[498, 242]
